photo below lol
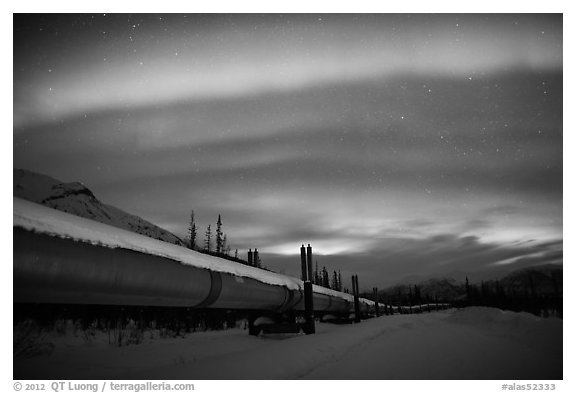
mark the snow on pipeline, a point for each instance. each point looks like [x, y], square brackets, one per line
[40, 219]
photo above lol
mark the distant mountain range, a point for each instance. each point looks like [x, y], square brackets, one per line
[544, 280]
[75, 198]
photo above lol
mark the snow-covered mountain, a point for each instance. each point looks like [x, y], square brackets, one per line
[545, 280]
[77, 199]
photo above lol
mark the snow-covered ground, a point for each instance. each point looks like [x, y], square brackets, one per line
[474, 343]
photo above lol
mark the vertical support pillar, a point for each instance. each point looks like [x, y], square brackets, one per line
[356, 299]
[306, 262]
[303, 263]
[358, 296]
[309, 261]
[376, 305]
[310, 328]
[250, 258]
[256, 259]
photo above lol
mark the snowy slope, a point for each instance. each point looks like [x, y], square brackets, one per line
[475, 343]
[77, 199]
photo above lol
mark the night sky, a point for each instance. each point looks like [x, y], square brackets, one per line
[398, 146]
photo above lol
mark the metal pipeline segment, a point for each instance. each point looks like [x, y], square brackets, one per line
[61, 258]
[50, 269]
[326, 303]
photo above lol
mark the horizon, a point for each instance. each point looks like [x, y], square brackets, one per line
[396, 145]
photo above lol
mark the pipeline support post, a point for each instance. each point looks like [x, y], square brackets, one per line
[303, 263]
[309, 327]
[309, 261]
[356, 298]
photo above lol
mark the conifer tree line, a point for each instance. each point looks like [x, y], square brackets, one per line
[536, 292]
[214, 242]
[220, 241]
[327, 280]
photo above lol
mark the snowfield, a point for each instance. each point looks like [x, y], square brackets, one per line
[473, 343]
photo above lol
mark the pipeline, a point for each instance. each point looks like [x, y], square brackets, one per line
[61, 258]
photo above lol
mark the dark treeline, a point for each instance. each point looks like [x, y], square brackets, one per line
[408, 295]
[215, 243]
[535, 290]
[328, 280]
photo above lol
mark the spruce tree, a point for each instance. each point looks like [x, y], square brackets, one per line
[224, 245]
[339, 281]
[335, 281]
[192, 232]
[325, 278]
[219, 247]
[208, 239]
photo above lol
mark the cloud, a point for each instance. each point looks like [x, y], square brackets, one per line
[392, 144]
[449, 138]
[340, 158]
[70, 67]
[400, 259]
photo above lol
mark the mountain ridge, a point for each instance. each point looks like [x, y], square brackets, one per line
[541, 280]
[75, 198]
